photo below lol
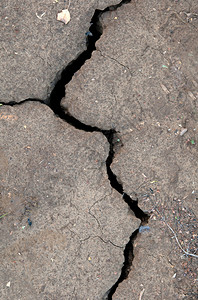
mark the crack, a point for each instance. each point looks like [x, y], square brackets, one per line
[13, 103]
[54, 102]
[115, 60]
[129, 256]
[102, 239]
[91, 214]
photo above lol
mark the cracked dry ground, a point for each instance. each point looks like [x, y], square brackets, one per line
[139, 80]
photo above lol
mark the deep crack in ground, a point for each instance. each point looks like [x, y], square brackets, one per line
[54, 101]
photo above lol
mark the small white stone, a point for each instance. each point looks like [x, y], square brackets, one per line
[64, 16]
[183, 131]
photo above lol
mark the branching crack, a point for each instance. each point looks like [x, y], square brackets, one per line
[54, 101]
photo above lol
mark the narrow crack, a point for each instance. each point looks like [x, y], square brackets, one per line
[54, 102]
[129, 256]
[115, 60]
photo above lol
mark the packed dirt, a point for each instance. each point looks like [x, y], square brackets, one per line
[64, 224]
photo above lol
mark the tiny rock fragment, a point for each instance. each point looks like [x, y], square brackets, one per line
[64, 16]
[183, 131]
[8, 284]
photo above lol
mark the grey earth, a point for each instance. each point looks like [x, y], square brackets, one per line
[64, 227]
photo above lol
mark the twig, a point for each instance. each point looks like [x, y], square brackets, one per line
[141, 294]
[40, 17]
[187, 253]
[3, 215]
[174, 12]
[69, 4]
[175, 236]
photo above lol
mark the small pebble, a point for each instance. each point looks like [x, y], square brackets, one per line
[183, 131]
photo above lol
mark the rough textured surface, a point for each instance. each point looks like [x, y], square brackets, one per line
[55, 176]
[35, 47]
[159, 281]
[142, 81]
[160, 169]
[141, 69]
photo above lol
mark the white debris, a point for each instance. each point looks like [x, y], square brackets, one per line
[40, 17]
[183, 131]
[64, 16]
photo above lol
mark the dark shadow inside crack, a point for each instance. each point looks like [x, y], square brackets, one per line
[133, 204]
[54, 102]
[95, 32]
[13, 103]
[58, 92]
[129, 256]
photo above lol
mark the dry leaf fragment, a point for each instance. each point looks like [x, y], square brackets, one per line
[64, 16]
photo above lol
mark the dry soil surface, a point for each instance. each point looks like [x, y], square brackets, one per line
[63, 227]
